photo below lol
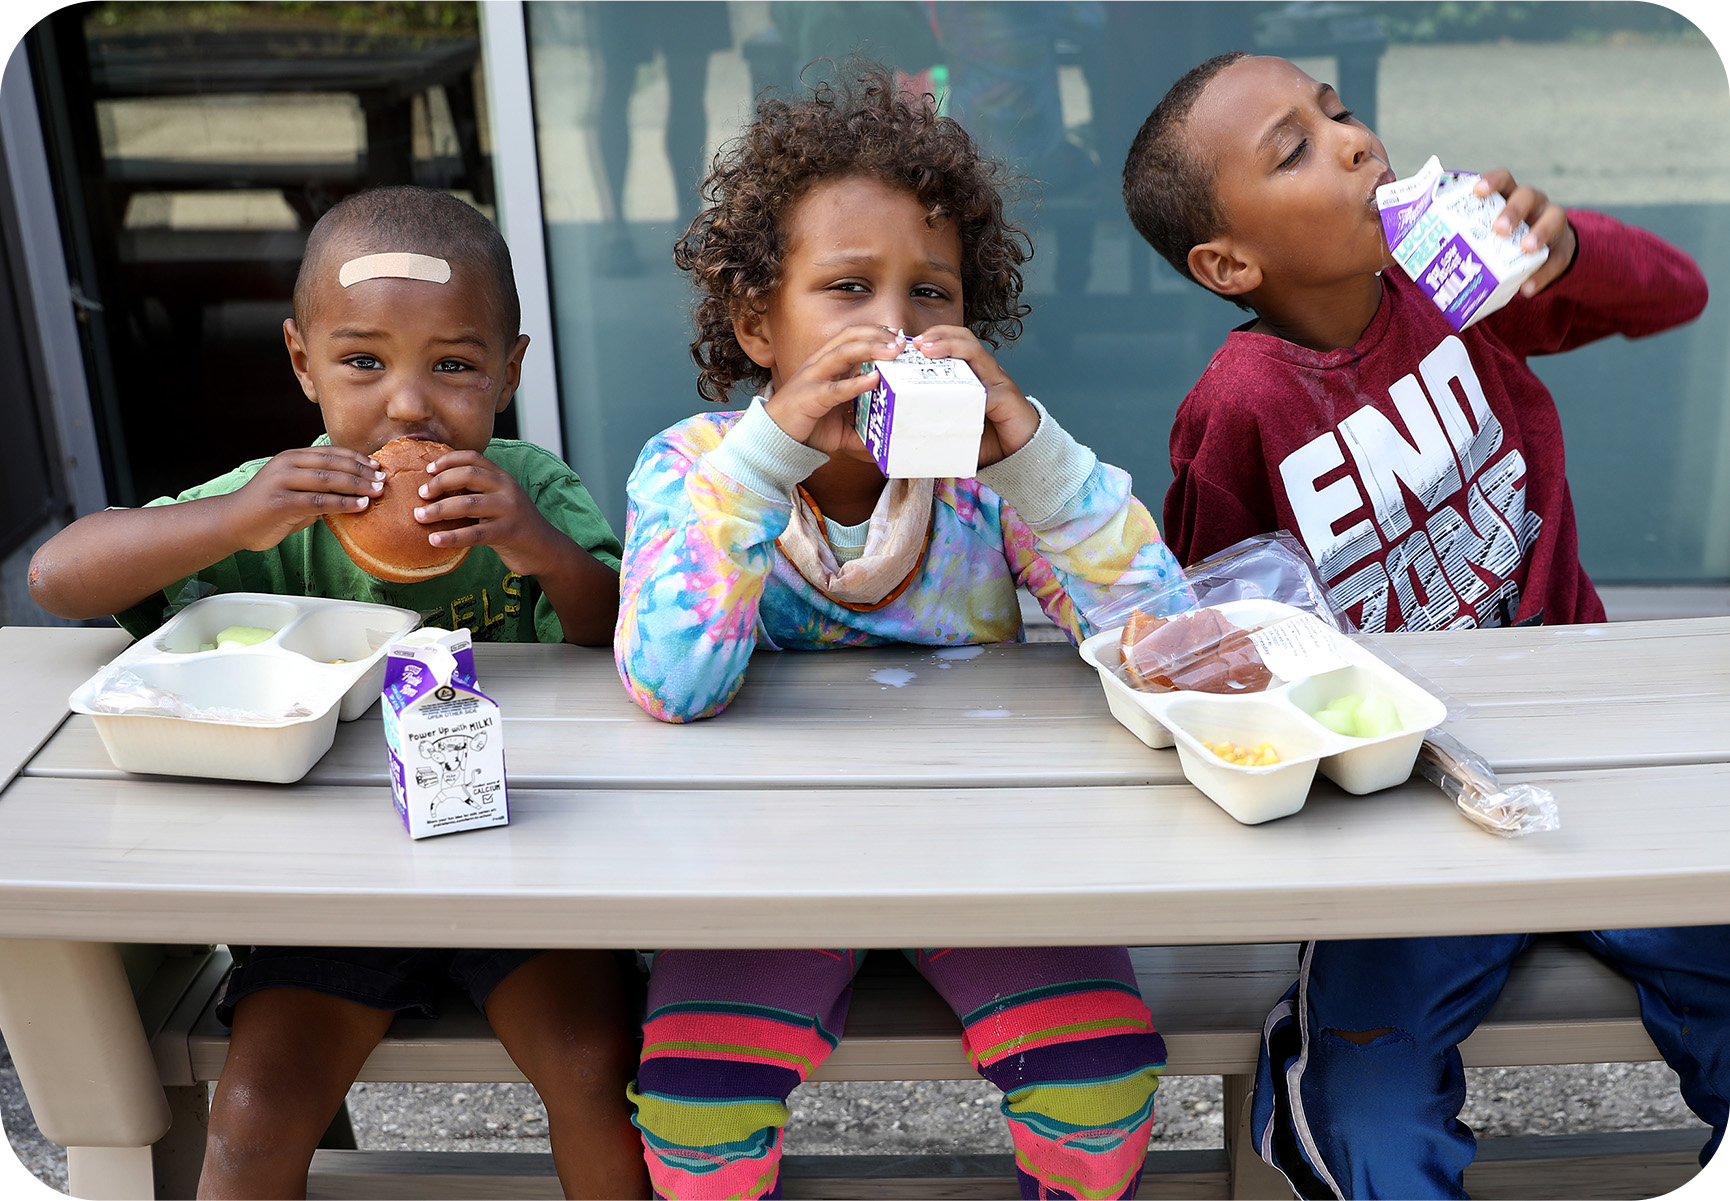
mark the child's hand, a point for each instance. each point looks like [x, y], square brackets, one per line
[813, 404]
[1547, 225]
[296, 488]
[467, 484]
[1010, 420]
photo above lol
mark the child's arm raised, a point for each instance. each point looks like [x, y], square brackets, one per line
[1602, 277]
[1547, 226]
[583, 590]
[107, 562]
[706, 506]
[1077, 538]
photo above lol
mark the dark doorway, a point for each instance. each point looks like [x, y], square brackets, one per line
[193, 146]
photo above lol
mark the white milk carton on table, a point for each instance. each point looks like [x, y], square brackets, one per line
[446, 743]
[1438, 231]
[924, 419]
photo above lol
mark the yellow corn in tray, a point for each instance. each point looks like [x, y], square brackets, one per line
[1260, 755]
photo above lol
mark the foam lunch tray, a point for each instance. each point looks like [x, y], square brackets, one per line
[1280, 715]
[262, 712]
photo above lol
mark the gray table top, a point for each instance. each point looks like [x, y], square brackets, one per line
[827, 806]
[1011, 715]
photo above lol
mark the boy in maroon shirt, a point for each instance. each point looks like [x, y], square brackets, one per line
[1423, 470]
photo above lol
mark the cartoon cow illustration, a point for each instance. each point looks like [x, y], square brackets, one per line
[450, 771]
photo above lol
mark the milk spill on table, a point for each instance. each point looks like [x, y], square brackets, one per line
[894, 677]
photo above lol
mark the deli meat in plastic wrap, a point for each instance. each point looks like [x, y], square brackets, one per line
[1195, 652]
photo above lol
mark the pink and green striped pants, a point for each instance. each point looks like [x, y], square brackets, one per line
[1061, 1030]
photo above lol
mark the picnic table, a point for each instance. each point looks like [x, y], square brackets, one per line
[899, 796]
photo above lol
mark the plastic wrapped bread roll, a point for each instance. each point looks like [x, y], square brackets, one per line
[1194, 652]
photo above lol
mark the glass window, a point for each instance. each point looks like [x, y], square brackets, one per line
[31, 490]
[194, 145]
[1619, 107]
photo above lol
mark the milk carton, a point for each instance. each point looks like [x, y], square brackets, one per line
[1438, 231]
[447, 751]
[924, 419]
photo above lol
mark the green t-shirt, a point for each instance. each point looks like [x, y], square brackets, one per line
[497, 604]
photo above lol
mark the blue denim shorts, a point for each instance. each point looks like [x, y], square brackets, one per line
[408, 979]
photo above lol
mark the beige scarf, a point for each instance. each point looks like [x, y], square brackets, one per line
[895, 545]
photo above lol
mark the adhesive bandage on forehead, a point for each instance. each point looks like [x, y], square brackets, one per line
[396, 264]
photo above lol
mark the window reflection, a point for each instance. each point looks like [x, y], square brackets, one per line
[1622, 107]
[195, 145]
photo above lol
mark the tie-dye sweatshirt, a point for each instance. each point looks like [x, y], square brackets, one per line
[704, 585]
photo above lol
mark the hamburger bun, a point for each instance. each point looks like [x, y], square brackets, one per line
[1135, 632]
[1199, 651]
[384, 539]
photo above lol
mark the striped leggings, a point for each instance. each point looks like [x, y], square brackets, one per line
[1061, 1030]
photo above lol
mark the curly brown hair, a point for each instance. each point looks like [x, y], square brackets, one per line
[867, 127]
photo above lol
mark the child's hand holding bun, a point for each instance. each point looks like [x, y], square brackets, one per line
[467, 500]
[386, 539]
[296, 488]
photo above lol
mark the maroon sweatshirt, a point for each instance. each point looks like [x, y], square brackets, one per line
[1422, 468]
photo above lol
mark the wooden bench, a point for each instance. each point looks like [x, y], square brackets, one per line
[1560, 1005]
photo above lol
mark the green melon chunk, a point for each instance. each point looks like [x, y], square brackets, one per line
[1338, 722]
[1377, 717]
[1347, 704]
[243, 635]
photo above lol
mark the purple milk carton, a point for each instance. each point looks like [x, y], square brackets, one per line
[924, 419]
[446, 743]
[1438, 231]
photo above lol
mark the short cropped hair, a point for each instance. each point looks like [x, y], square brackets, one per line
[419, 221]
[868, 127]
[1168, 182]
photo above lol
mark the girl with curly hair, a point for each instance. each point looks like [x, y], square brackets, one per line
[840, 228]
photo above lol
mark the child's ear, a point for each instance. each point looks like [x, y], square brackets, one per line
[298, 358]
[1219, 267]
[513, 372]
[751, 328]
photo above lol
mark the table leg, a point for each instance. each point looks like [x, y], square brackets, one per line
[76, 1039]
[110, 1173]
[1251, 1176]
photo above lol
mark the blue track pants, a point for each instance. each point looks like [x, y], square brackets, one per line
[1382, 1119]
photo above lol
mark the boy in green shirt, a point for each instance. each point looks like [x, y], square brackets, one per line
[482, 593]
[405, 325]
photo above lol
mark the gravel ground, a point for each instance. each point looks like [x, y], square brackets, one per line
[938, 1117]
[960, 1117]
[45, 1160]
